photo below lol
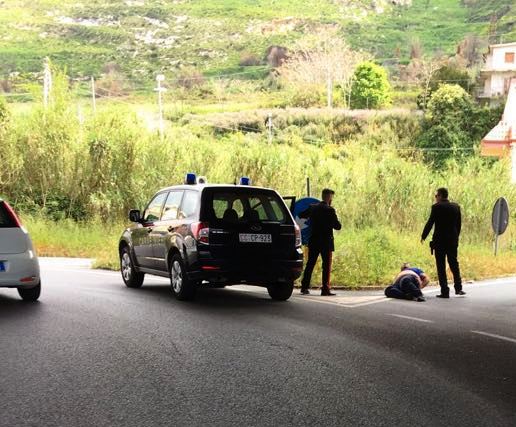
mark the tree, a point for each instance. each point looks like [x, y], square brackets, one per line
[453, 124]
[470, 50]
[371, 87]
[318, 59]
[446, 74]
[446, 123]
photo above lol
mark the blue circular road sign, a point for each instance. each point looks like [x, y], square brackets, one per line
[304, 223]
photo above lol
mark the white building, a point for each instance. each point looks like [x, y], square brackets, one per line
[499, 68]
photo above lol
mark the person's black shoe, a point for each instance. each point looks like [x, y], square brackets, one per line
[420, 299]
[442, 296]
[327, 294]
[305, 292]
[460, 293]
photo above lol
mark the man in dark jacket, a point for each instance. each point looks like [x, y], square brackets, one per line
[445, 217]
[323, 220]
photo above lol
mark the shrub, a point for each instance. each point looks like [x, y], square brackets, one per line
[370, 88]
[249, 59]
[189, 78]
[111, 84]
[446, 74]
[275, 56]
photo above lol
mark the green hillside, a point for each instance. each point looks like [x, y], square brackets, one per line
[146, 36]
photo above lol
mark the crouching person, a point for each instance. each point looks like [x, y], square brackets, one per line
[408, 284]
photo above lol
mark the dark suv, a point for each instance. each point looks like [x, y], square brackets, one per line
[213, 234]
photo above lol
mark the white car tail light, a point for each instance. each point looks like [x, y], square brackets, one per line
[201, 232]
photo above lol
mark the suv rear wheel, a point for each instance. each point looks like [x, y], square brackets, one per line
[31, 294]
[183, 288]
[131, 277]
[280, 291]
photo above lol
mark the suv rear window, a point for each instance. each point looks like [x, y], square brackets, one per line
[6, 220]
[246, 206]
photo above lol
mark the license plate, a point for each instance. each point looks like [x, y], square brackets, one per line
[2, 266]
[255, 238]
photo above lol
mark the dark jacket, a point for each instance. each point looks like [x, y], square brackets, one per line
[446, 217]
[323, 220]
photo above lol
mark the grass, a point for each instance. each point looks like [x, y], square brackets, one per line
[216, 32]
[368, 257]
[68, 238]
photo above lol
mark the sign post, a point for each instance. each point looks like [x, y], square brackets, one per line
[500, 219]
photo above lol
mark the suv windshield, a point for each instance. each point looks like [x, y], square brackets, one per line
[245, 205]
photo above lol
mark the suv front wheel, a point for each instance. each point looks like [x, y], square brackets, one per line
[280, 291]
[131, 277]
[183, 288]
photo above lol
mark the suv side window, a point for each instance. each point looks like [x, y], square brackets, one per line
[171, 209]
[189, 205]
[153, 211]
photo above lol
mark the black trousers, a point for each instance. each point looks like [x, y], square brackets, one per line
[441, 254]
[406, 287]
[313, 254]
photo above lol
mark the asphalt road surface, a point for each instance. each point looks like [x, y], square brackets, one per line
[92, 352]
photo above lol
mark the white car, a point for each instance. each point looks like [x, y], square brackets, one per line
[19, 267]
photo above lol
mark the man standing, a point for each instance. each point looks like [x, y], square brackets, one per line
[446, 218]
[323, 220]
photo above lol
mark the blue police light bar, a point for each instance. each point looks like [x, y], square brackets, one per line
[245, 180]
[190, 178]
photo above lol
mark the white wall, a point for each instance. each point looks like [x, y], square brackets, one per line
[497, 60]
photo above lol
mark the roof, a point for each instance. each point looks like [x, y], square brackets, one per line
[198, 187]
[494, 46]
[498, 141]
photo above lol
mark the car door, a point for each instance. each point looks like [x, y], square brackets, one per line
[142, 234]
[164, 229]
[188, 213]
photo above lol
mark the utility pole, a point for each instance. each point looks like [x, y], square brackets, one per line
[269, 127]
[349, 93]
[47, 83]
[160, 78]
[93, 99]
[330, 90]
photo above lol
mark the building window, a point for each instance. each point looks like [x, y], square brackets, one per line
[509, 57]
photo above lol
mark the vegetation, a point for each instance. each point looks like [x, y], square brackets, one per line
[213, 36]
[371, 88]
[453, 123]
[74, 170]
[74, 180]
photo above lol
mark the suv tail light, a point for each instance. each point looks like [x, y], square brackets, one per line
[11, 215]
[201, 232]
[298, 235]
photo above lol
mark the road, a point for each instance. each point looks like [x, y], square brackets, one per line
[95, 353]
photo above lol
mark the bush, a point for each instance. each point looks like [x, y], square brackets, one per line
[248, 60]
[447, 74]
[111, 84]
[371, 87]
[189, 78]
[454, 124]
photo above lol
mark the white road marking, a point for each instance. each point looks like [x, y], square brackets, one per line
[417, 319]
[500, 337]
[341, 300]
